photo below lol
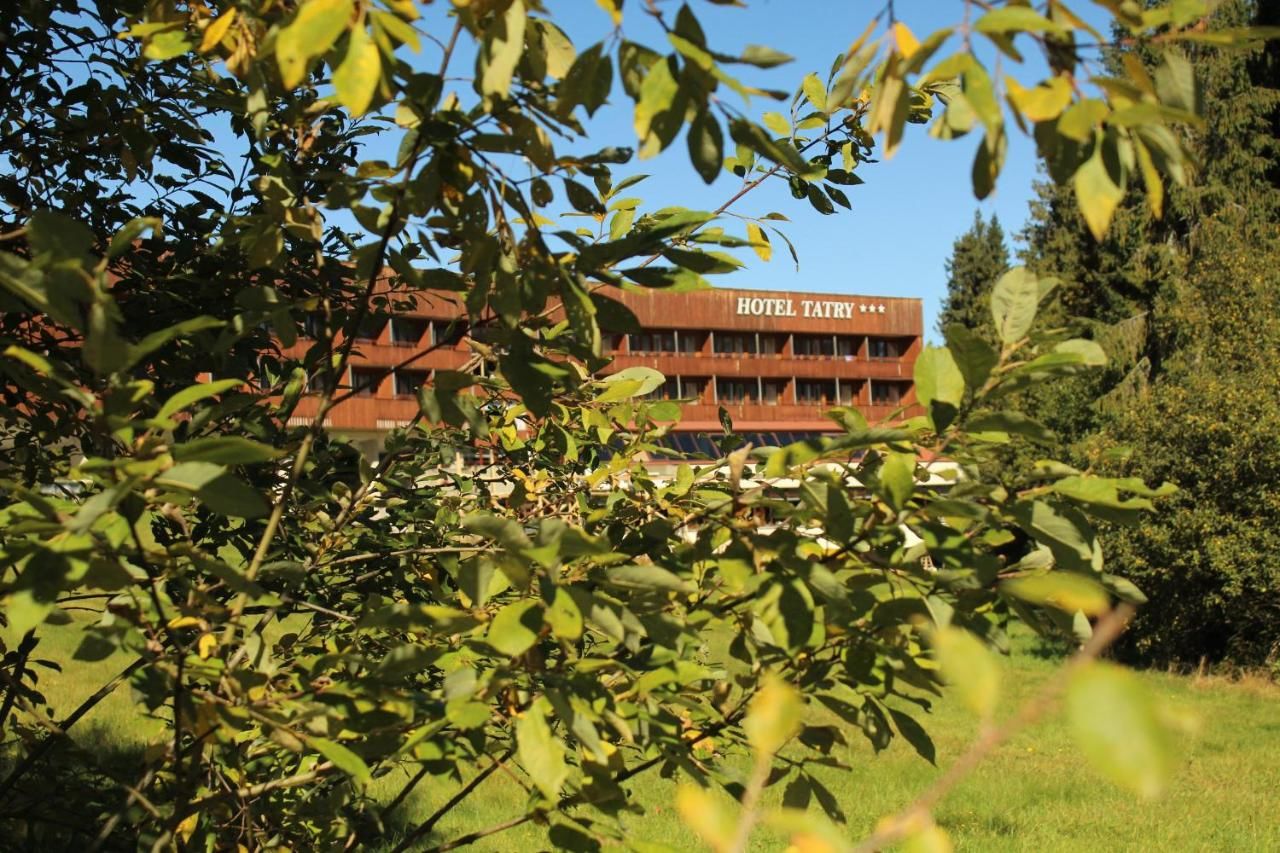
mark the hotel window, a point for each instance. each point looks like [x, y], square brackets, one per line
[653, 341]
[771, 391]
[447, 332]
[883, 348]
[313, 326]
[692, 388]
[736, 390]
[691, 342]
[848, 392]
[407, 331]
[611, 342]
[407, 382]
[815, 391]
[735, 343]
[370, 328]
[771, 344]
[846, 347]
[365, 381]
[813, 346]
[888, 393]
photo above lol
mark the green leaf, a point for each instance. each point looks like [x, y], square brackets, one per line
[1119, 729]
[938, 378]
[665, 410]
[25, 609]
[973, 356]
[784, 153]
[564, 616]
[1065, 531]
[221, 491]
[582, 199]
[134, 353]
[541, 753]
[1175, 81]
[515, 629]
[629, 383]
[1098, 192]
[764, 57]
[646, 577]
[657, 95]
[1066, 591]
[815, 91]
[915, 735]
[123, 239]
[311, 33]
[1090, 352]
[774, 716]
[1014, 19]
[897, 478]
[344, 759]
[356, 79]
[194, 393]
[706, 145]
[1014, 301]
[1011, 422]
[503, 44]
[558, 48]
[225, 450]
[969, 668]
[587, 82]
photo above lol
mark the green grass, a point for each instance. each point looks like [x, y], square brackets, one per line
[1034, 793]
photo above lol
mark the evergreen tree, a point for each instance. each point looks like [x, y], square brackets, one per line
[1183, 304]
[978, 258]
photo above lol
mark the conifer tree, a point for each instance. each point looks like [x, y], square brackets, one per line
[978, 258]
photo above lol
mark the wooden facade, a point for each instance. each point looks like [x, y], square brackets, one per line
[775, 361]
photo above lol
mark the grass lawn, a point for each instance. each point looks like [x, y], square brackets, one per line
[1035, 793]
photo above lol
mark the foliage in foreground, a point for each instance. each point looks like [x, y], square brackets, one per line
[302, 622]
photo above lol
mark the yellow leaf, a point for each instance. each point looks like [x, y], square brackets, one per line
[1040, 103]
[614, 8]
[313, 31]
[774, 716]
[968, 668]
[215, 31]
[356, 79]
[905, 39]
[704, 815]
[759, 241]
[1066, 591]
[183, 622]
[1097, 193]
[206, 645]
[187, 825]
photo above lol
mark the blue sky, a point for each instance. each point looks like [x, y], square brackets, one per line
[905, 217]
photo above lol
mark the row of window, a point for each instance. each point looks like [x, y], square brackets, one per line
[405, 383]
[414, 331]
[404, 331]
[762, 343]
[822, 392]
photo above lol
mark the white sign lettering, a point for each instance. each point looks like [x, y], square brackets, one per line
[825, 309]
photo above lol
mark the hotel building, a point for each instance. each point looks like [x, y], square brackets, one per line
[775, 361]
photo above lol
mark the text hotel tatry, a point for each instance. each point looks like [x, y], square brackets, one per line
[767, 306]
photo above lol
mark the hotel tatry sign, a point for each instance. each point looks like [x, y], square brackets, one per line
[772, 306]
